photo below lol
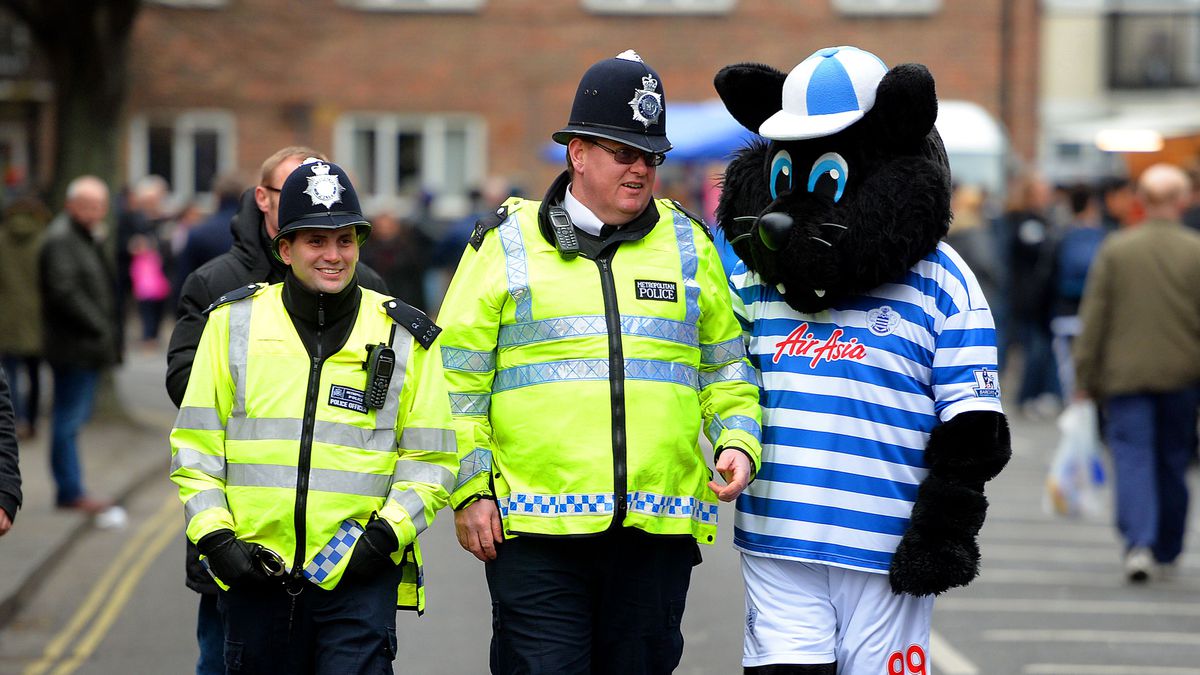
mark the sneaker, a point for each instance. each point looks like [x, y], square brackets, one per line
[1138, 564]
[91, 505]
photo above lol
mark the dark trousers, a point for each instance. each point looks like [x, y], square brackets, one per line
[210, 636]
[611, 603]
[349, 630]
[25, 391]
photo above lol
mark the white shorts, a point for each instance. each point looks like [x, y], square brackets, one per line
[805, 613]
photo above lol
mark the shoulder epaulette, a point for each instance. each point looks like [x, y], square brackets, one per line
[695, 218]
[423, 329]
[235, 295]
[486, 224]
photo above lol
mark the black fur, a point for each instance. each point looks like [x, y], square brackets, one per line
[970, 449]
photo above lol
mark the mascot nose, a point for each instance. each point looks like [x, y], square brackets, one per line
[773, 229]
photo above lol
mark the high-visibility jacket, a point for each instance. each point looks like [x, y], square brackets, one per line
[579, 386]
[281, 448]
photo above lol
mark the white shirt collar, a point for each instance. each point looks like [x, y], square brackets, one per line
[581, 216]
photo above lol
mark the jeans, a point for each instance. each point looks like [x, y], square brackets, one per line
[74, 393]
[1153, 439]
[211, 637]
[1038, 375]
[350, 630]
[610, 603]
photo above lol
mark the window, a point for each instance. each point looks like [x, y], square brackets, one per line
[188, 149]
[402, 160]
[1154, 50]
[887, 7]
[415, 5]
[659, 6]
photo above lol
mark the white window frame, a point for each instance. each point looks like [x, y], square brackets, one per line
[659, 6]
[887, 7]
[433, 172]
[414, 5]
[184, 125]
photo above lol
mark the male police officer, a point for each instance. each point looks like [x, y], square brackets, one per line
[313, 445]
[586, 338]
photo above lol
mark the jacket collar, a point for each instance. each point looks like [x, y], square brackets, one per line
[634, 229]
[251, 245]
[319, 309]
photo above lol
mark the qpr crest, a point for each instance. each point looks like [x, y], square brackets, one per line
[323, 187]
[646, 104]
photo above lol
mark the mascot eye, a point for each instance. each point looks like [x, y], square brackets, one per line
[828, 176]
[781, 174]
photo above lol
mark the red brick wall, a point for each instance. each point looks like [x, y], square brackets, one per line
[289, 68]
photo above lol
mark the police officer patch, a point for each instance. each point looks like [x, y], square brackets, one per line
[655, 290]
[323, 187]
[341, 396]
[646, 104]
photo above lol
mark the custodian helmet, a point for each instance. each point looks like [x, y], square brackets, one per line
[318, 195]
[621, 99]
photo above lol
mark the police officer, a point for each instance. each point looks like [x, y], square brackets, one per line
[313, 445]
[588, 340]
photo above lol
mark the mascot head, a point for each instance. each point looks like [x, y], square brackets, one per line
[850, 186]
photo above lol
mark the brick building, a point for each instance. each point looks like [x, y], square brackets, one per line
[435, 95]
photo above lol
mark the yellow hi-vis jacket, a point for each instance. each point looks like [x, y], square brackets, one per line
[578, 386]
[280, 448]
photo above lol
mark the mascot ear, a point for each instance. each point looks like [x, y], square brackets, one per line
[752, 92]
[905, 103]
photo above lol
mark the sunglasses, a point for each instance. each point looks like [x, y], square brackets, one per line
[631, 155]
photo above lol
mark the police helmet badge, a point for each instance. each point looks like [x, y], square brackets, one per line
[323, 187]
[646, 104]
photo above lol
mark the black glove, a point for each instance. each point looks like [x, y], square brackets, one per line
[372, 553]
[234, 561]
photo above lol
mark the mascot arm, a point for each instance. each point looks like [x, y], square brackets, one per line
[939, 551]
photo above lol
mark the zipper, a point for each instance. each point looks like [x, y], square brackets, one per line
[616, 382]
[304, 464]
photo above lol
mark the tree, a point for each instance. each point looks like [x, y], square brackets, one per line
[86, 44]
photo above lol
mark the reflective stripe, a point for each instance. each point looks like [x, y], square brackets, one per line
[239, 350]
[516, 267]
[723, 352]
[688, 263]
[673, 507]
[470, 404]
[332, 553]
[740, 422]
[209, 465]
[467, 360]
[423, 472]
[333, 433]
[413, 505]
[512, 335]
[593, 369]
[321, 480]
[198, 419]
[733, 372]
[478, 461]
[203, 501]
[429, 439]
[557, 505]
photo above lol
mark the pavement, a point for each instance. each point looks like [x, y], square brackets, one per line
[122, 448]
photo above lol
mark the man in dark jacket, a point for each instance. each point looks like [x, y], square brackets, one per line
[79, 329]
[10, 472]
[250, 261]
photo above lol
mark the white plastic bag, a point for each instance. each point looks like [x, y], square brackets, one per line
[1074, 485]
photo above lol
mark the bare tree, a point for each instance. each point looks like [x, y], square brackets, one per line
[86, 44]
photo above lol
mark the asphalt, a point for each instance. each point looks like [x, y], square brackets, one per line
[122, 448]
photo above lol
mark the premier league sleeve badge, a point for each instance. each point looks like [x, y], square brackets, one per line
[646, 103]
[323, 187]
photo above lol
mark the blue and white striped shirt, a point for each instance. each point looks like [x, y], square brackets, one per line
[849, 396]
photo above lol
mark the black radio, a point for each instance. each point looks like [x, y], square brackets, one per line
[564, 233]
[381, 362]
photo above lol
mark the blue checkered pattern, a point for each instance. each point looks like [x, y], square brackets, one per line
[557, 505]
[343, 541]
[476, 462]
[672, 507]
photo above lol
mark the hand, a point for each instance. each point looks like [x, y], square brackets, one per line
[234, 561]
[5, 522]
[478, 528]
[734, 467]
[373, 552]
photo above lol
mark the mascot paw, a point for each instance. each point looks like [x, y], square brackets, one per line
[930, 566]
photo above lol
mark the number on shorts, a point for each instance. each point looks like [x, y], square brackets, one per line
[909, 662]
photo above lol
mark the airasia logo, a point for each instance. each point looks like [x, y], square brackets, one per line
[800, 342]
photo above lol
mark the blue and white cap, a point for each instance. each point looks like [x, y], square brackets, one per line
[826, 93]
